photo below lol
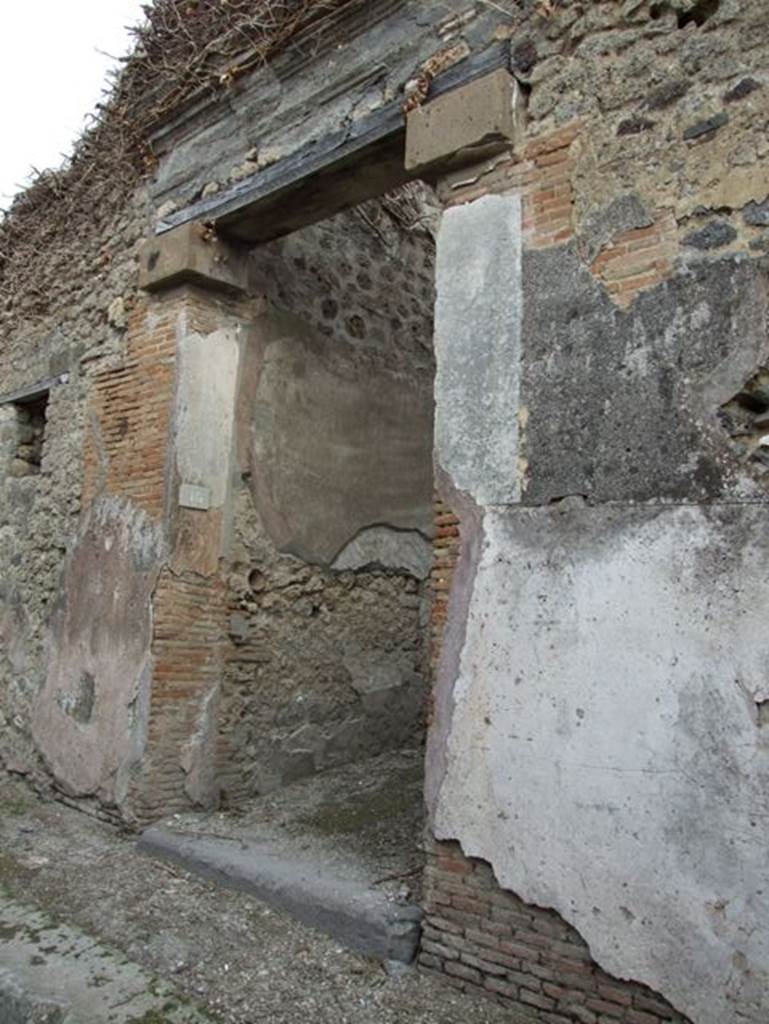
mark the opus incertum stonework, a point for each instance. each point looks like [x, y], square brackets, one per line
[417, 376]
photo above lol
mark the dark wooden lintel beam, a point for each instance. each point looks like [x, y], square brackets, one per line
[359, 161]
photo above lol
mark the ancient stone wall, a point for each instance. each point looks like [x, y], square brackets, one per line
[600, 665]
[63, 331]
[600, 703]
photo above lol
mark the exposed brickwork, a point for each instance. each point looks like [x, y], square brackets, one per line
[544, 177]
[483, 939]
[189, 614]
[545, 171]
[129, 413]
[446, 545]
[637, 259]
[541, 173]
[127, 448]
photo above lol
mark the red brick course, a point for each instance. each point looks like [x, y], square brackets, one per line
[445, 555]
[128, 416]
[188, 644]
[637, 259]
[483, 939]
[541, 173]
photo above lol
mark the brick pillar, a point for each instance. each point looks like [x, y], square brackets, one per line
[199, 281]
[129, 414]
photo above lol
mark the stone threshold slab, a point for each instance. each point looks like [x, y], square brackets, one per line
[358, 917]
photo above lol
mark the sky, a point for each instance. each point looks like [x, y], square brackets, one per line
[53, 67]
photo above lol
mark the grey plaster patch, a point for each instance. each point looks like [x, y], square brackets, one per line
[337, 440]
[478, 349]
[392, 549]
[622, 214]
[606, 750]
[624, 404]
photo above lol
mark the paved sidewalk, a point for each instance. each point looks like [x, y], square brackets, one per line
[51, 973]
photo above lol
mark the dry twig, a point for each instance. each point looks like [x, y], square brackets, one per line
[183, 48]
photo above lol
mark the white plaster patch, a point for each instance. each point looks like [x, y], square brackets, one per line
[477, 345]
[604, 755]
[393, 549]
[206, 410]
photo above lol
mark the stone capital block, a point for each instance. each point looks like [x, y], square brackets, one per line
[464, 125]
[192, 254]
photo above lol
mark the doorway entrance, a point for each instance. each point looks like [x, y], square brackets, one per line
[332, 522]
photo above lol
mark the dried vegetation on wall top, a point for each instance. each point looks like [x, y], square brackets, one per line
[183, 48]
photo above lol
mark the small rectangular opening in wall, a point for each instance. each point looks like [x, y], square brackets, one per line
[30, 434]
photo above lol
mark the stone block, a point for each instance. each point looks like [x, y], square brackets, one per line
[757, 214]
[477, 345]
[465, 125]
[20, 467]
[191, 254]
[355, 914]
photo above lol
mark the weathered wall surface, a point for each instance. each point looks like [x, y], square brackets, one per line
[343, 393]
[333, 514]
[306, 97]
[612, 675]
[204, 345]
[599, 737]
[74, 326]
[90, 717]
[124, 710]
[603, 760]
